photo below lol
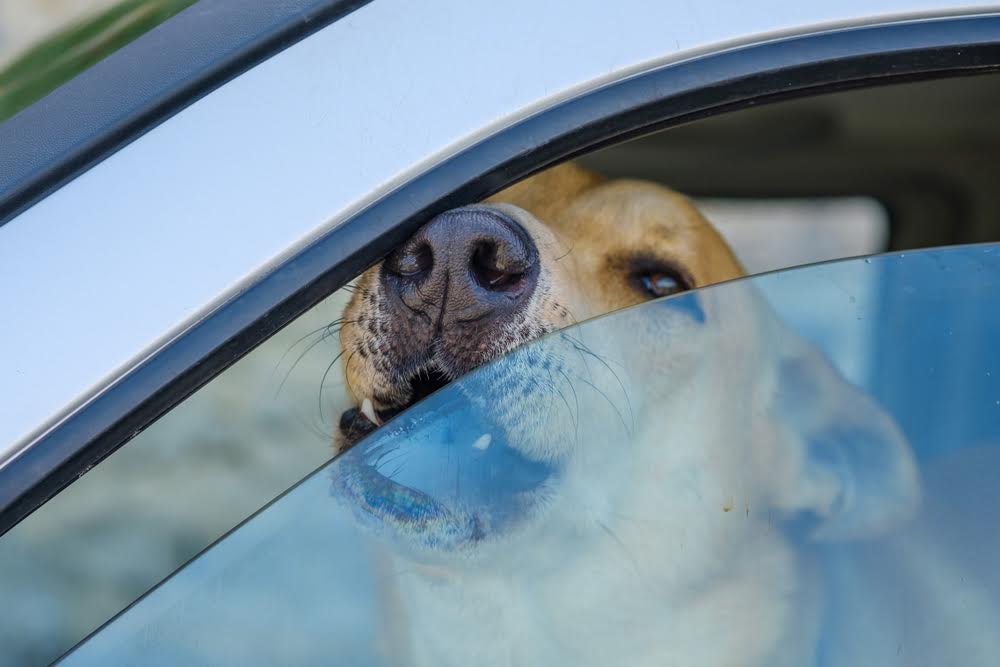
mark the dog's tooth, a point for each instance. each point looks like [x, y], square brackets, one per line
[482, 442]
[368, 410]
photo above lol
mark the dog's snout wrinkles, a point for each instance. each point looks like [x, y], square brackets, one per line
[473, 265]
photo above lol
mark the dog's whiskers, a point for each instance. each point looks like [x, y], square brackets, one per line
[575, 418]
[576, 399]
[621, 417]
[566, 254]
[628, 554]
[347, 377]
[584, 349]
[327, 330]
[302, 338]
[322, 383]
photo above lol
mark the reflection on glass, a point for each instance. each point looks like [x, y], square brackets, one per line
[690, 481]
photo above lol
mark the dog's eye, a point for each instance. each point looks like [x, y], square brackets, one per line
[661, 283]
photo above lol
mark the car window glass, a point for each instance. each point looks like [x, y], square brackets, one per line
[787, 183]
[153, 504]
[771, 234]
[696, 475]
[207, 465]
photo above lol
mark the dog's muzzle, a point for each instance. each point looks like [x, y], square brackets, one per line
[442, 478]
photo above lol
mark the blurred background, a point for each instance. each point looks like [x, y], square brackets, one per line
[24, 22]
[44, 43]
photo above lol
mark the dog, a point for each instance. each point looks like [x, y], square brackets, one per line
[649, 488]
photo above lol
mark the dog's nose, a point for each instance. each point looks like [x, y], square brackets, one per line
[471, 264]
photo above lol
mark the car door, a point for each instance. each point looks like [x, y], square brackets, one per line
[361, 561]
[219, 215]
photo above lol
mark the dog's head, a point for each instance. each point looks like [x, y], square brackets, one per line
[675, 412]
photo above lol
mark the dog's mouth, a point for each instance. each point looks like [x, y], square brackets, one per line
[423, 383]
[442, 476]
[363, 419]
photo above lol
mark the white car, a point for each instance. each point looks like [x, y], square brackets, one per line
[177, 222]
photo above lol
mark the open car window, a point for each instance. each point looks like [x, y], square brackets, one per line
[820, 491]
[270, 417]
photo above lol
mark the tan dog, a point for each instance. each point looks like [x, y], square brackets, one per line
[601, 246]
[644, 489]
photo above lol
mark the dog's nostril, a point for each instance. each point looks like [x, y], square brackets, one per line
[491, 272]
[411, 262]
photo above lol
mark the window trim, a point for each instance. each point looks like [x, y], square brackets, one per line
[674, 94]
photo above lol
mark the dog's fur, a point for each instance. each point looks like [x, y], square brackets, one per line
[713, 451]
[589, 233]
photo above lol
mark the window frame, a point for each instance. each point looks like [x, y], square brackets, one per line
[719, 82]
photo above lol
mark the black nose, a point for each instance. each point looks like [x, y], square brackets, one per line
[471, 264]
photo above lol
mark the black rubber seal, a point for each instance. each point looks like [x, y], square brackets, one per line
[794, 67]
[144, 83]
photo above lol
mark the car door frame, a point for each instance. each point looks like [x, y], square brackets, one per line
[715, 83]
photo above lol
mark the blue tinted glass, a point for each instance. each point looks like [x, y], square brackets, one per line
[797, 468]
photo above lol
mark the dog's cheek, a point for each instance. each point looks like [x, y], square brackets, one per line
[362, 355]
[569, 295]
[359, 372]
[519, 397]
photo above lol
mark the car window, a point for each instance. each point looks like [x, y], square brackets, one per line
[900, 151]
[263, 424]
[44, 44]
[708, 474]
[771, 234]
[201, 469]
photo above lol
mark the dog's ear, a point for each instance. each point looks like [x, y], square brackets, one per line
[837, 455]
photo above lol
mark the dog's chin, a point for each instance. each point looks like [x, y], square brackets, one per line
[442, 480]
